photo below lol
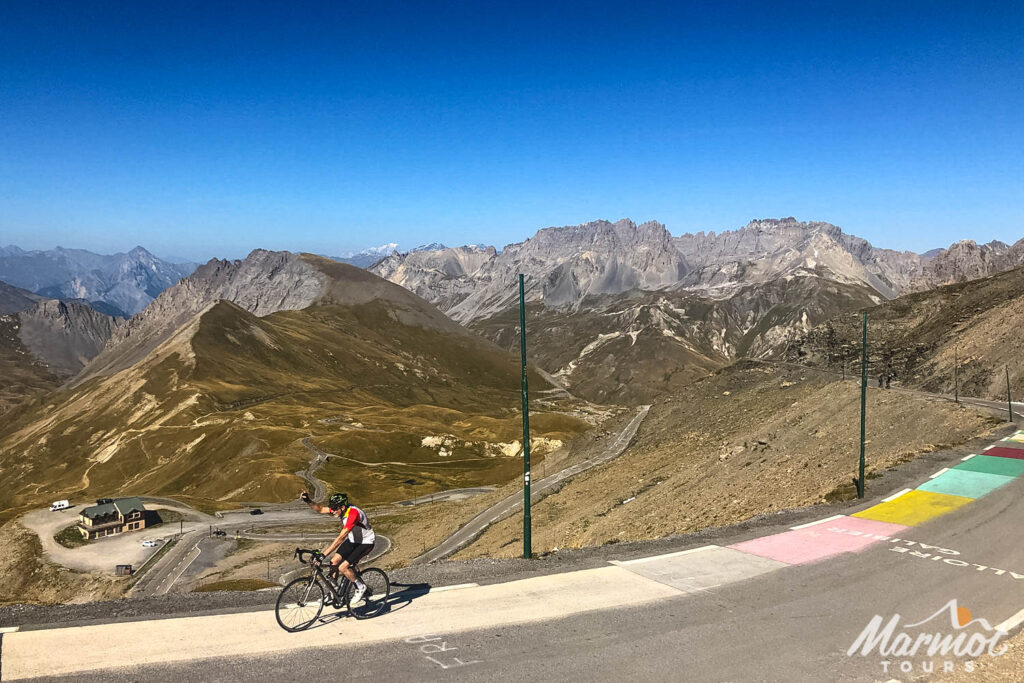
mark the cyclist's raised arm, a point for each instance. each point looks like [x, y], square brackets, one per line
[316, 507]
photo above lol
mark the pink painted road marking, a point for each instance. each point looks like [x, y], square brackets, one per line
[803, 546]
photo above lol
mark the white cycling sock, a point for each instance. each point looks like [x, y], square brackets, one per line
[360, 585]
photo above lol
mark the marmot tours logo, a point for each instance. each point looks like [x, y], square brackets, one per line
[952, 633]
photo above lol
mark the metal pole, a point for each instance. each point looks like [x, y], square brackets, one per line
[527, 541]
[956, 376]
[863, 402]
[1009, 403]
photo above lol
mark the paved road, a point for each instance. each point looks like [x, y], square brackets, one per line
[162, 577]
[319, 489]
[478, 524]
[713, 613]
[450, 494]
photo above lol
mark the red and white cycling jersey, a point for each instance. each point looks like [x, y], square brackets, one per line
[358, 526]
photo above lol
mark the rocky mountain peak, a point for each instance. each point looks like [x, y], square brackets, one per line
[262, 283]
[65, 335]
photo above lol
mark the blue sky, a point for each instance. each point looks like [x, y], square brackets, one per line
[208, 129]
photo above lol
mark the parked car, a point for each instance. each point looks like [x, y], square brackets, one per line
[255, 511]
[104, 501]
[220, 532]
[149, 544]
[59, 505]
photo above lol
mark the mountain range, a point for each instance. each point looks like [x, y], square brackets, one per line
[117, 284]
[606, 298]
[212, 391]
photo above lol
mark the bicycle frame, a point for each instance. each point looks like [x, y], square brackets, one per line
[335, 591]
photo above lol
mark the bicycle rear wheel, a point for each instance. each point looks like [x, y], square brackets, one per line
[375, 599]
[299, 604]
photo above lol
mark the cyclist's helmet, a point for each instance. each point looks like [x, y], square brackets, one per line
[338, 501]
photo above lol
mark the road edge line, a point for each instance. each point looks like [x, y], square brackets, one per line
[939, 473]
[972, 455]
[641, 560]
[896, 495]
[1012, 622]
[820, 521]
[454, 587]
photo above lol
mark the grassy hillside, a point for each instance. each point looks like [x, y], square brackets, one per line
[217, 413]
[21, 375]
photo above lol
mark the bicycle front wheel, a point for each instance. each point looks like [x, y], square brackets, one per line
[374, 599]
[299, 604]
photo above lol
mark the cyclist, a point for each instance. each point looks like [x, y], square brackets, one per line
[354, 542]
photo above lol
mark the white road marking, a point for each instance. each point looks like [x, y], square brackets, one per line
[640, 560]
[820, 521]
[988, 448]
[896, 495]
[455, 587]
[9, 629]
[1012, 622]
[186, 566]
[974, 455]
[940, 472]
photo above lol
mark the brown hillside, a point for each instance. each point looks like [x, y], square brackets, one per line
[917, 337]
[218, 411]
[745, 441]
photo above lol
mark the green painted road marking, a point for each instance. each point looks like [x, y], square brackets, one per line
[965, 483]
[1007, 467]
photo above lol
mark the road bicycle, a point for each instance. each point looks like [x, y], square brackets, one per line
[301, 601]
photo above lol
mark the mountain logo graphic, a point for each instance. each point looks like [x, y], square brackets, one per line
[952, 630]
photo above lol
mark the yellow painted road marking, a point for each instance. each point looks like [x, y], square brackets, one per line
[913, 508]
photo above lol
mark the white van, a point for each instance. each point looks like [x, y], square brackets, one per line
[59, 505]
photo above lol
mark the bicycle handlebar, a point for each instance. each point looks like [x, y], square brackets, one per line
[299, 552]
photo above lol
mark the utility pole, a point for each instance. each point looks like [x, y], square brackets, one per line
[956, 376]
[181, 527]
[527, 540]
[268, 570]
[863, 402]
[1009, 403]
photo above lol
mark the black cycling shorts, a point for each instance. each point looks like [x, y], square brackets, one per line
[353, 552]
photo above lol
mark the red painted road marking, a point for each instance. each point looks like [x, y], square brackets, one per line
[811, 544]
[1017, 453]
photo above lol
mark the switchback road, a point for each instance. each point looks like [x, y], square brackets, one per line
[539, 489]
